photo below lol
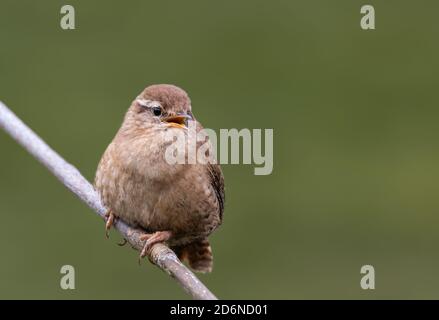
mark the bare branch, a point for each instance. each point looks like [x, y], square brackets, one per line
[160, 255]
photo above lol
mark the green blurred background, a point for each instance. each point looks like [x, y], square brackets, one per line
[354, 115]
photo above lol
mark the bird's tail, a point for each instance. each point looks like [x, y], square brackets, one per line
[197, 254]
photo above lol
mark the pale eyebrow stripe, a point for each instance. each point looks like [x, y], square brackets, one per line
[143, 102]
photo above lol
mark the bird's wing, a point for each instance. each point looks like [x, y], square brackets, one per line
[216, 179]
[217, 183]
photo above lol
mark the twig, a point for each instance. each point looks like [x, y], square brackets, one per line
[160, 255]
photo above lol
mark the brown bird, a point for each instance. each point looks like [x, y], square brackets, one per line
[179, 204]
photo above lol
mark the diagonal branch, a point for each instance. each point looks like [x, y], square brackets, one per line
[160, 255]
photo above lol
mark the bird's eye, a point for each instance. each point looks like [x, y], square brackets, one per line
[157, 111]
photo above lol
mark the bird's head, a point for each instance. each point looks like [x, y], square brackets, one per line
[161, 106]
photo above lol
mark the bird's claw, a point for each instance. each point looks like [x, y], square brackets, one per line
[109, 222]
[152, 239]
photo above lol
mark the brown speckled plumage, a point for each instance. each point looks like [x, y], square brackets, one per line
[141, 188]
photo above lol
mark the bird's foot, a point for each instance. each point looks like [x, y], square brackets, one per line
[152, 239]
[109, 221]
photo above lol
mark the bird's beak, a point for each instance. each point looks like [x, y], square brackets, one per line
[178, 121]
